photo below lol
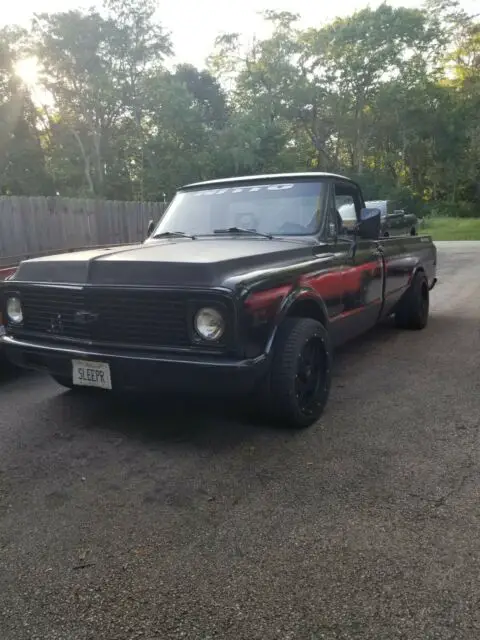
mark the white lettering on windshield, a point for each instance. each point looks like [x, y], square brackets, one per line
[253, 189]
[207, 192]
[279, 187]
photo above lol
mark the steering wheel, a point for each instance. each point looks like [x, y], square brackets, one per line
[246, 220]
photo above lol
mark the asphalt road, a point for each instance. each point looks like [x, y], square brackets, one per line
[126, 522]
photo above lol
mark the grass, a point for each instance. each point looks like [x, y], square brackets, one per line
[451, 228]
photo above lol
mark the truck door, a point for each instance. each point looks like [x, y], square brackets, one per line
[362, 268]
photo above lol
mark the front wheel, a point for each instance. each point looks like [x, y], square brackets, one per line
[300, 375]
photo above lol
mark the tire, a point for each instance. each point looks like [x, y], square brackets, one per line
[415, 305]
[302, 357]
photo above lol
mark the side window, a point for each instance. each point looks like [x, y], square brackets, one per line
[346, 208]
[347, 203]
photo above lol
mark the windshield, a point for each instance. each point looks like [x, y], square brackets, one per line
[294, 208]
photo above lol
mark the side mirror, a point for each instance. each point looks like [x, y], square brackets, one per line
[150, 228]
[370, 223]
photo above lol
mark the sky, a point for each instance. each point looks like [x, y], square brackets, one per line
[194, 24]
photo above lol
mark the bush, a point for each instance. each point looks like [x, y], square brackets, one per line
[450, 210]
[379, 185]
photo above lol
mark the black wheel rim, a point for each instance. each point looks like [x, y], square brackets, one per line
[424, 302]
[310, 376]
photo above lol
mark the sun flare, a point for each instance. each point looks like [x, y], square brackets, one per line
[27, 71]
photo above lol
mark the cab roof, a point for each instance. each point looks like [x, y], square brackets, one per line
[268, 177]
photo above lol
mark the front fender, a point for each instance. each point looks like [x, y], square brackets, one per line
[7, 273]
[304, 296]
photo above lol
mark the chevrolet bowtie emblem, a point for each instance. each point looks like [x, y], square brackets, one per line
[56, 324]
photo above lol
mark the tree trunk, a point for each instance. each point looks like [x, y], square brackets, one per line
[86, 162]
[98, 158]
[358, 145]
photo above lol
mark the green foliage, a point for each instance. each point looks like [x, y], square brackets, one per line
[452, 228]
[389, 96]
[22, 160]
[460, 209]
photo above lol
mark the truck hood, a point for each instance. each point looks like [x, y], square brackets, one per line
[204, 262]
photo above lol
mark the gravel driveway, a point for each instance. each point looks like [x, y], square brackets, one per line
[123, 522]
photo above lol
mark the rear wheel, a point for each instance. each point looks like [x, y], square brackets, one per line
[300, 375]
[415, 305]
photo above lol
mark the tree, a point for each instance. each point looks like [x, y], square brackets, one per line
[22, 160]
[390, 96]
[95, 67]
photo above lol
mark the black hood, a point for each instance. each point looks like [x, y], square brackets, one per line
[204, 262]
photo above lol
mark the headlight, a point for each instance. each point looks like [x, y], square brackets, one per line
[14, 310]
[209, 324]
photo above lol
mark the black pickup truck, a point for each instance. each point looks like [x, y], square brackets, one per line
[245, 286]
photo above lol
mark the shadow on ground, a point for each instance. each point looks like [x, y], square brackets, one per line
[170, 418]
[156, 421]
[203, 422]
[9, 373]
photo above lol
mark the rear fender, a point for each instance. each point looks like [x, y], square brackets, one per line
[417, 269]
[420, 269]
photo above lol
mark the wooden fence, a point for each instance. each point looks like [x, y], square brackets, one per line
[37, 226]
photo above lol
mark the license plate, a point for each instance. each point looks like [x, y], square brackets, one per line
[86, 373]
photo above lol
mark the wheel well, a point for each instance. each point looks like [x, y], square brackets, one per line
[420, 271]
[308, 309]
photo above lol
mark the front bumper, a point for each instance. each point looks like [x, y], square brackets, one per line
[144, 371]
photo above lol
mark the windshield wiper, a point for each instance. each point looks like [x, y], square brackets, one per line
[174, 234]
[252, 232]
